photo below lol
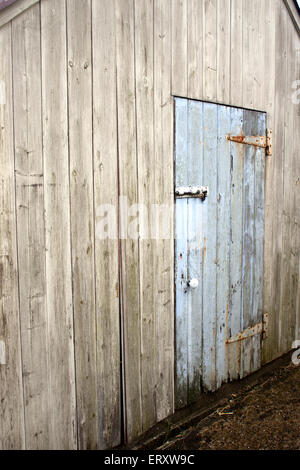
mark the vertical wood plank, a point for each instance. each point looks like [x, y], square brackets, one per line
[250, 128]
[12, 432]
[210, 50]
[248, 38]
[195, 48]
[269, 87]
[253, 54]
[210, 248]
[195, 249]
[259, 233]
[280, 97]
[128, 188]
[181, 179]
[164, 189]
[144, 49]
[223, 51]
[258, 54]
[260, 159]
[269, 65]
[82, 219]
[30, 222]
[57, 220]
[223, 242]
[194, 297]
[295, 226]
[236, 53]
[179, 48]
[288, 313]
[181, 215]
[236, 244]
[105, 135]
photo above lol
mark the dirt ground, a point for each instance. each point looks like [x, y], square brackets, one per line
[265, 417]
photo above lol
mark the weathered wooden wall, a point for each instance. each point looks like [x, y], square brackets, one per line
[249, 57]
[88, 115]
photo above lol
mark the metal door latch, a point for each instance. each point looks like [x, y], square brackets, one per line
[200, 192]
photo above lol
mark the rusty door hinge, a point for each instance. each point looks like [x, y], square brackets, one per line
[258, 329]
[265, 142]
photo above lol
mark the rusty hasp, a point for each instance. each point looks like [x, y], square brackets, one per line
[258, 329]
[255, 140]
[200, 192]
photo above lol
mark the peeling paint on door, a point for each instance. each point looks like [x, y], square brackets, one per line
[219, 245]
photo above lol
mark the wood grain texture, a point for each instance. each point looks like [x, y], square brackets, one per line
[236, 245]
[220, 243]
[223, 243]
[105, 134]
[258, 53]
[296, 215]
[253, 54]
[270, 168]
[248, 263]
[144, 53]
[110, 118]
[194, 297]
[181, 255]
[210, 50]
[236, 53]
[31, 225]
[280, 100]
[63, 422]
[8, 14]
[210, 174]
[290, 191]
[295, 223]
[195, 249]
[195, 48]
[129, 189]
[12, 431]
[181, 276]
[79, 54]
[179, 47]
[259, 234]
[164, 187]
[223, 50]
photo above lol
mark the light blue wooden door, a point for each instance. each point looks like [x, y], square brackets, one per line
[219, 191]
